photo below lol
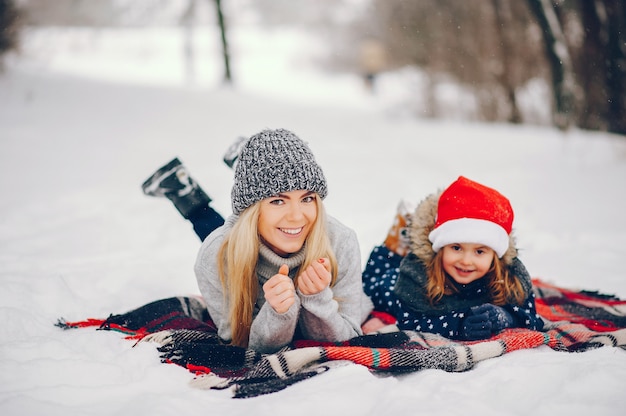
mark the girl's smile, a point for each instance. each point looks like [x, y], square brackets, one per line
[467, 262]
[464, 272]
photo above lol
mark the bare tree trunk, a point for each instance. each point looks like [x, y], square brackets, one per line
[563, 80]
[220, 17]
[602, 66]
[188, 21]
[616, 70]
[592, 71]
[9, 29]
[503, 16]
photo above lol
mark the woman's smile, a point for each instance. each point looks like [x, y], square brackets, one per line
[286, 219]
[292, 231]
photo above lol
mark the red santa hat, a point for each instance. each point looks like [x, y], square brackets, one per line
[469, 212]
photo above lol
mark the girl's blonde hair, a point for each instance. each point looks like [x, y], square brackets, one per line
[237, 259]
[503, 287]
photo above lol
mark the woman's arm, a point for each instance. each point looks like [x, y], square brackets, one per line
[335, 314]
[270, 330]
[210, 284]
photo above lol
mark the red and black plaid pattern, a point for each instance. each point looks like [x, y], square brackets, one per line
[575, 321]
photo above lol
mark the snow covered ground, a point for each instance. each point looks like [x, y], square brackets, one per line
[82, 125]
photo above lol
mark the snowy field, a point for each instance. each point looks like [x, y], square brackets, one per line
[85, 119]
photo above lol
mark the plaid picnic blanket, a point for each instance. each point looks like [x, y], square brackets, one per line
[575, 321]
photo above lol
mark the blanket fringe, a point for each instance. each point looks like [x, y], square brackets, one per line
[162, 338]
[63, 324]
[210, 381]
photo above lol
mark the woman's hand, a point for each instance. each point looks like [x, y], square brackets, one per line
[315, 278]
[279, 290]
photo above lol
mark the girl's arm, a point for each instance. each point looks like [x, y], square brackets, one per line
[526, 315]
[473, 323]
[465, 324]
[447, 324]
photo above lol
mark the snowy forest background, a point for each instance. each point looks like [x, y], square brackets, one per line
[95, 95]
[499, 56]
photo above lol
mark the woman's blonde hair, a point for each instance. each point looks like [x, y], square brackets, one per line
[503, 287]
[237, 259]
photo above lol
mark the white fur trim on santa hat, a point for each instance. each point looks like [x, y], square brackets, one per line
[470, 230]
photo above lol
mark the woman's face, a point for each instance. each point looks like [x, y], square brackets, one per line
[286, 219]
[467, 262]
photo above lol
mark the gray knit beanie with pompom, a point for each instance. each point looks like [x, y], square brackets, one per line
[273, 162]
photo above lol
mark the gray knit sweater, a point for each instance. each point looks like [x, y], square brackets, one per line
[335, 314]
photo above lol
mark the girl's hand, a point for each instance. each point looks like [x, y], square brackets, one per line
[315, 278]
[499, 317]
[279, 290]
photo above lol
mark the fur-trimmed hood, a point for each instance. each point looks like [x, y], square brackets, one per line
[422, 221]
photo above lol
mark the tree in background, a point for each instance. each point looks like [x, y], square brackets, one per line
[496, 48]
[601, 65]
[9, 23]
[225, 53]
[129, 13]
[585, 43]
[486, 46]
[187, 20]
[71, 12]
[560, 61]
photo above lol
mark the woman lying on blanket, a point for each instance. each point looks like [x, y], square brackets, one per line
[456, 271]
[279, 268]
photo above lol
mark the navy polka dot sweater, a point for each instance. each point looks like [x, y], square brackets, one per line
[380, 281]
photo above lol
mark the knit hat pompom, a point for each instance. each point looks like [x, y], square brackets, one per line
[273, 162]
[469, 212]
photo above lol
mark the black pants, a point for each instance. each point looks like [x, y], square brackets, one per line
[205, 220]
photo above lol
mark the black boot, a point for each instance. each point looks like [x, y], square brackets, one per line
[232, 153]
[173, 182]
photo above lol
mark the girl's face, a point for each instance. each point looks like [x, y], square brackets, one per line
[467, 262]
[285, 220]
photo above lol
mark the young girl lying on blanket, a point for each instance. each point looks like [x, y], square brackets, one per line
[456, 272]
[279, 268]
